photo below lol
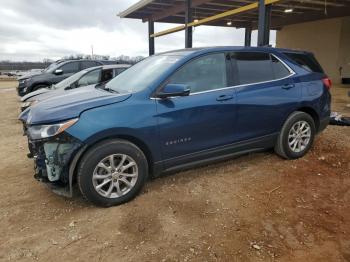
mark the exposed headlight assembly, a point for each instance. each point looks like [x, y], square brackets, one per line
[28, 104]
[45, 131]
[25, 80]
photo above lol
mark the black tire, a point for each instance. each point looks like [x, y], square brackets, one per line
[92, 158]
[282, 147]
[37, 87]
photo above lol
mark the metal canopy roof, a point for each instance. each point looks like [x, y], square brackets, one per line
[173, 11]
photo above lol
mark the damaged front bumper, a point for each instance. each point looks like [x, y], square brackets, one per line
[53, 158]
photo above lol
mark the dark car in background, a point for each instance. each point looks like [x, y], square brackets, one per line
[89, 76]
[55, 73]
[175, 110]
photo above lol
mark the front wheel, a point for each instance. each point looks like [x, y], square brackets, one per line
[112, 173]
[296, 136]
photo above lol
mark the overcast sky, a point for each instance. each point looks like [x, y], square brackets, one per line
[37, 29]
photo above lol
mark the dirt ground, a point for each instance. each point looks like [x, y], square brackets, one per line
[254, 208]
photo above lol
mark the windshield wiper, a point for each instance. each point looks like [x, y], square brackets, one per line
[103, 87]
[110, 90]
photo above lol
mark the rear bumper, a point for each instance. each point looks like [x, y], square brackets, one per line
[323, 124]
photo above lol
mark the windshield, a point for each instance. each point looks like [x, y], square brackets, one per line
[51, 67]
[70, 80]
[142, 74]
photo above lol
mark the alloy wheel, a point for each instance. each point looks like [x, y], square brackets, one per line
[299, 136]
[115, 175]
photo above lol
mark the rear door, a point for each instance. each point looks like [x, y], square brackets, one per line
[265, 93]
[203, 120]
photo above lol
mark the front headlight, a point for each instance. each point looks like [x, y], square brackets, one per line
[44, 131]
[23, 81]
[28, 104]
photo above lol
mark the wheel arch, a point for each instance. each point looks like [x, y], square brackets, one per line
[82, 152]
[313, 113]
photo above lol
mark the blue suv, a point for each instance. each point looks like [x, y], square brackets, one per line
[175, 110]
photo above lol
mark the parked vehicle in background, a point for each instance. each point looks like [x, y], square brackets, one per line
[175, 110]
[89, 76]
[30, 73]
[55, 73]
[17, 73]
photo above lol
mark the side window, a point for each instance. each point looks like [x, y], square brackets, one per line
[202, 74]
[88, 64]
[119, 70]
[278, 68]
[90, 78]
[71, 67]
[253, 67]
[107, 74]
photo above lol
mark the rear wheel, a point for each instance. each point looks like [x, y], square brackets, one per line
[296, 136]
[112, 173]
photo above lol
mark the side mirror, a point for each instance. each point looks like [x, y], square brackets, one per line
[58, 72]
[171, 90]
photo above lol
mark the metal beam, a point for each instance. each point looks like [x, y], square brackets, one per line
[323, 3]
[248, 36]
[267, 24]
[332, 12]
[134, 8]
[150, 39]
[215, 17]
[177, 8]
[188, 19]
[263, 23]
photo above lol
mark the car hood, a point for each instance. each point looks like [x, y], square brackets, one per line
[35, 93]
[69, 105]
[28, 75]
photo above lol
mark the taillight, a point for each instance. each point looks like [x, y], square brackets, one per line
[327, 82]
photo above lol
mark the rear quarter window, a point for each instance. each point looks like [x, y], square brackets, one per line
[306, 61]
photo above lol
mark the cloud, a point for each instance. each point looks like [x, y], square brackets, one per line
[38, 29]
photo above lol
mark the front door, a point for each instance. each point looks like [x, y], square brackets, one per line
[203, 120]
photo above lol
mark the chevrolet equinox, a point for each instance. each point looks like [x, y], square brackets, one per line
[175, 110]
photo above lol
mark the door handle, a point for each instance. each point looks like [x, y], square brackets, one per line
[224, 97]
[288, 86]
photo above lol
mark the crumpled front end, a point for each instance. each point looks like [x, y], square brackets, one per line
[52, 158]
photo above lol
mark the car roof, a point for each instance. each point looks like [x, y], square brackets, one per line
[115, 66]
[107, 67]
[199, 50]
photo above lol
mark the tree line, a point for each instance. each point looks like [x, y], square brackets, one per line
[7, 65]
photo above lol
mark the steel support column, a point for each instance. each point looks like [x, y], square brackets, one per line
[248, 36]
[264, 23]
[150, 39]
[188, 19]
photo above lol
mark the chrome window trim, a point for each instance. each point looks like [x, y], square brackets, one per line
[291, 73]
